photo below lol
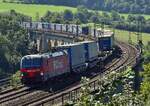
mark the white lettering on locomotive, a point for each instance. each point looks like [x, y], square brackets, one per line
[57, 64]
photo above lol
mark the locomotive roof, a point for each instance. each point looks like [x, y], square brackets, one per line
[55, 54]
[32, 56]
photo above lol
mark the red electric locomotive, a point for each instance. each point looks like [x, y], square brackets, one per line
[40, 67]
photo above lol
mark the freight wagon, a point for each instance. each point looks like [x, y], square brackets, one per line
[106, 42]
[76, 53]
[85, 30]
[64, 27]
[75, 29]
[53, 26]
[58, 27]
[46, 26]
[34, 25]
[70, 28]
[91, 53]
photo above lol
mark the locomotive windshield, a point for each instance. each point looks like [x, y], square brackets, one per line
[31, 63]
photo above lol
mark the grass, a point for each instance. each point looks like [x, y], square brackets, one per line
[126, 15]
[123, 36]
[32, 9]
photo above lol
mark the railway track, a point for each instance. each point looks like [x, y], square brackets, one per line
[129, 55]
[29, 96]
[4, 83]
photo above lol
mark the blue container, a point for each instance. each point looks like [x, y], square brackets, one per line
[105, 43]
[76, 54]
[91, 49]
[85, 30]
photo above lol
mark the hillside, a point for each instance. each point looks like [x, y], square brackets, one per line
[32, 9]
[124, 6]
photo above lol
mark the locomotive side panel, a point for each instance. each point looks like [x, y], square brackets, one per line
[55, 66]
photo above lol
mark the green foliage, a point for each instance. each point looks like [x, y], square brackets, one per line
[115, 16]
[85, 99]
[68, 15]
[15, 79]
[13, 41]
[148, 101]
[146, 82]
[146, 54]
[116, 89]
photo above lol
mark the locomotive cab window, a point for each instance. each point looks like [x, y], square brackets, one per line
[31, 62]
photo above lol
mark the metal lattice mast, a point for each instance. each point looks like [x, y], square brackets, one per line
[139, 33]
[129, 39]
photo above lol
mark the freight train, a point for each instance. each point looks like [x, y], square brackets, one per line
[105, 37]
[76, 30]
[68, 58]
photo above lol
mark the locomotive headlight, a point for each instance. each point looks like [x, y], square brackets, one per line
[41, 73]
[86, 64]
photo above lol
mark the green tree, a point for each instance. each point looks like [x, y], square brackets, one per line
[47, 17]
[13, 41]
[68, 15]
[146, 83]
[115, 16]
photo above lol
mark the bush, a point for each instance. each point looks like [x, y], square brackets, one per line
[15, 79]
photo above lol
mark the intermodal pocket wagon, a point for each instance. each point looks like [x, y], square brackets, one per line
[76, 53]
[91, 53]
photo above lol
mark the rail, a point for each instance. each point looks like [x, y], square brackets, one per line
[73, 93]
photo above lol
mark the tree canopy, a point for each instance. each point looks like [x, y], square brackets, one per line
[13, 40]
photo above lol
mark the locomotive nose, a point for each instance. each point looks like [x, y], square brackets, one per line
[30, 73]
